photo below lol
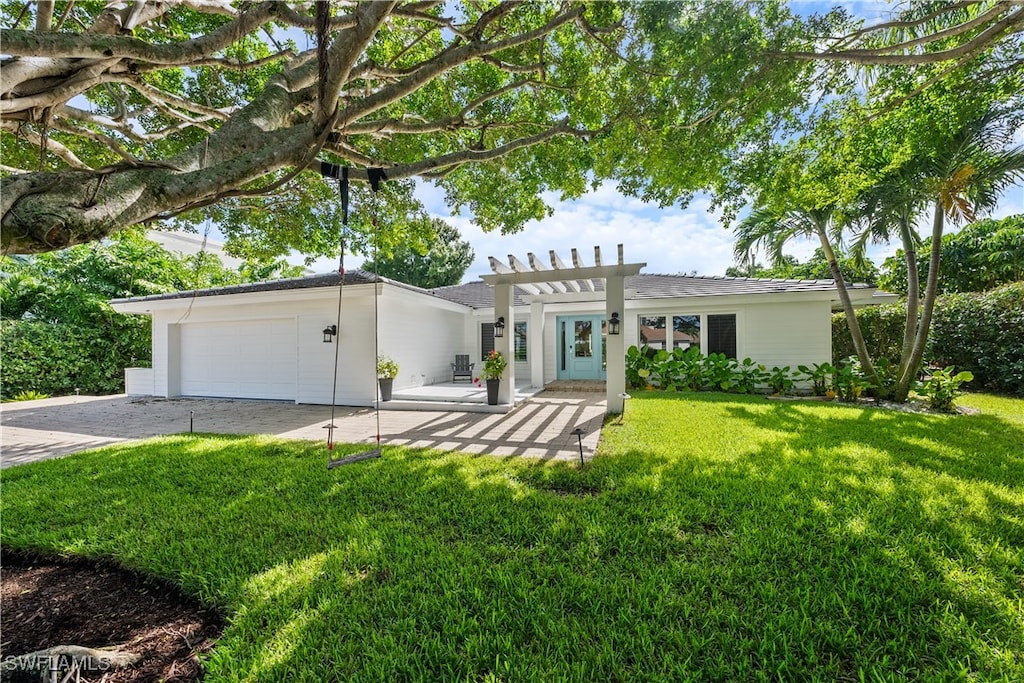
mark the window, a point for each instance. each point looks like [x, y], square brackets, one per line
[520, 341]
[686, 331]
[486, 339]
[722, 334]
[652, 331]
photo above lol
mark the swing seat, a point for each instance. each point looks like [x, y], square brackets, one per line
[462, 367]
[348, 460]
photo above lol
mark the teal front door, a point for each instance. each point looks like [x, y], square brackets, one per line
[580, 346]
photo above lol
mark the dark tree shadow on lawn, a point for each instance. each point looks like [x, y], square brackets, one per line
[427, 566]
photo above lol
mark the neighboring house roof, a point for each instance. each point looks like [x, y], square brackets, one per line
[187, 244]
[479, 294]
[657, 334]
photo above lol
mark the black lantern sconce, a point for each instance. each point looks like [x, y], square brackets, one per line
[499, 327]
[613, 324]
[330, 333]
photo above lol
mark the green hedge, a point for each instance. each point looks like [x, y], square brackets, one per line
[57, 359]
[982, 332]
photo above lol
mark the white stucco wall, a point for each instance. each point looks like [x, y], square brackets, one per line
[420, 332]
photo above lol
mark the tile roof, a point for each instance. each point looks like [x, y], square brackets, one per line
[352, 277]
[479, 294]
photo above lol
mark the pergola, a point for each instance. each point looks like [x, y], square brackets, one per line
[560, 283]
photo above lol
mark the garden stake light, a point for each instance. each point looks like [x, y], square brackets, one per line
[579, 437]
[625, 397]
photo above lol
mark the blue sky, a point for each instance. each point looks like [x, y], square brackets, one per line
[670, 240]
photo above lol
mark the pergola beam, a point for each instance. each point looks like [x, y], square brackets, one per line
[568, 275]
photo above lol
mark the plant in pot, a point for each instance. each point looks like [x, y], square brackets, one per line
[494, 367]
[387, 370]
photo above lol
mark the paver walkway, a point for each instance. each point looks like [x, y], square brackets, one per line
[37, 430]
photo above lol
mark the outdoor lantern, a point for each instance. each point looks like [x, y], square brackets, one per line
[499, 327]
[613, 324]
[329, 333]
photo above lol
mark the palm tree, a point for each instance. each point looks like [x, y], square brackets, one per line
[887, 210]
[962, 178]
[770, 229]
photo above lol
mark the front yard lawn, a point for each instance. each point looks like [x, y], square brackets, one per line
[713, 537]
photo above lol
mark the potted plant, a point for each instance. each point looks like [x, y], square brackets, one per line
[494, 367]
[387, 370]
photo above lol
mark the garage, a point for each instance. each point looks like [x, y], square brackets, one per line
[244, 359]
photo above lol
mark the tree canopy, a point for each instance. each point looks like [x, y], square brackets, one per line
[120, 113]
[979, 257]
[438, 261]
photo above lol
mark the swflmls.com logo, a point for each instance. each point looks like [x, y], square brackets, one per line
[55, 663]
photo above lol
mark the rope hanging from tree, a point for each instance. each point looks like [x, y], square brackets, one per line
[375, 176]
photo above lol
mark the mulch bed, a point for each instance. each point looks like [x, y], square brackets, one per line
[48, 602]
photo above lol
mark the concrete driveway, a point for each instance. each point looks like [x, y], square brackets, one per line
[38, 430]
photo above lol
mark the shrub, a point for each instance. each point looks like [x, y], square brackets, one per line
[942, 387]
[980, 332]
[678, 369]
[57, 359]
[30, 396]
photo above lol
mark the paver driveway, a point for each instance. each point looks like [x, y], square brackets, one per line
[36, 430]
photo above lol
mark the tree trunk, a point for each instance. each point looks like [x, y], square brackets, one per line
[927, 306]
[851, 317]
[913, 296]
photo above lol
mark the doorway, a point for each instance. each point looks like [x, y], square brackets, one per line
[580, 346]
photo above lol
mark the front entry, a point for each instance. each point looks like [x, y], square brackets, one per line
[580, 346]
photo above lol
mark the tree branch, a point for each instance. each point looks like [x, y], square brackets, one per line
[1012, 23]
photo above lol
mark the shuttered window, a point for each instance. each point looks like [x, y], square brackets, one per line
[722, 334]
[486, 339]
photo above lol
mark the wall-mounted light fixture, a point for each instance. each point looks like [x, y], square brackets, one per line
[499, 327]
[329, 333]
[613, 324]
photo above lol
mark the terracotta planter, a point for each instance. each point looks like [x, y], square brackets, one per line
[385, 387]
[492, 391]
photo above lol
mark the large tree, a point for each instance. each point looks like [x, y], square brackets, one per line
[979, 257]
[131, 112]
[441, 259]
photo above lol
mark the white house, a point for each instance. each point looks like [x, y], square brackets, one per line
[267, 340]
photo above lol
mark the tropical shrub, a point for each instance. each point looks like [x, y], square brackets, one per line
[749, 376]
[981, 333]
[30, 396]
[719, 372]
[942, 387]
[780, 380]
[680, 369]
[848, 382]
[818, 375]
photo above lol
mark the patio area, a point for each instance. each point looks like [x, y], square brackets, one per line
[458, 396]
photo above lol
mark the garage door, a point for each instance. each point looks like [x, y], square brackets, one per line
[252, 359]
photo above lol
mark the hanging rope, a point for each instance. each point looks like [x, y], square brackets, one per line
[375, 176]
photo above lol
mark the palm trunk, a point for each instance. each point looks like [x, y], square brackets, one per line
[910, 367]
[851, 317]
[913, 295]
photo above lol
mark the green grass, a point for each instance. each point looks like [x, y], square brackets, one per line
[713, 538]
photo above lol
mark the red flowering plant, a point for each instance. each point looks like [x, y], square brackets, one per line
[494, 367]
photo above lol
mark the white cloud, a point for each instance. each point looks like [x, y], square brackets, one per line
[669, 240]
